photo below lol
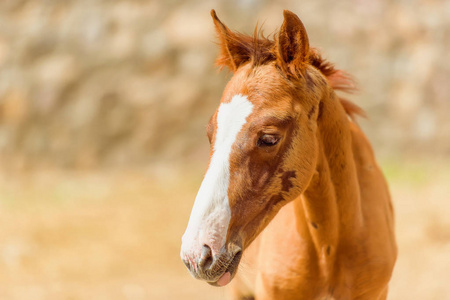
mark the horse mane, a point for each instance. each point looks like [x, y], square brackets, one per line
[260, 50]
[339, 80]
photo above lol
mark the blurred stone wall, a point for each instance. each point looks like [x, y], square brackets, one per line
[90, 83]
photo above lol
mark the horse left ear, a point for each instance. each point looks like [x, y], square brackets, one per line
[234, 50]
[293, 43]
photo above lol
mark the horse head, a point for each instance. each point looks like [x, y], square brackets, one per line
[263, 145]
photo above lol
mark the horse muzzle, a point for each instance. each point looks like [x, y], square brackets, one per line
[217, 270]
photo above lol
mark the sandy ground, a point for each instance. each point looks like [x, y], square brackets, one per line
[116, 235]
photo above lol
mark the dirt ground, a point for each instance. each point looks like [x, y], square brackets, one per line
[116, 235]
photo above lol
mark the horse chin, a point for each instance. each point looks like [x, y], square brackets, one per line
[230, 271]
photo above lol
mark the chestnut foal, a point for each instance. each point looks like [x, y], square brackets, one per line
[287, 158]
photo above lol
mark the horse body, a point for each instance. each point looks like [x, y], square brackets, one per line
[292, 183]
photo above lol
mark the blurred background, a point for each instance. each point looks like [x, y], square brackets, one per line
[103, 108]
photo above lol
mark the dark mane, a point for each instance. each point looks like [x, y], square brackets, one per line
[257, 48]
[339, 81]
[260, 50]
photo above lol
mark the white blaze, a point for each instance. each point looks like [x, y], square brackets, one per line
[210, 216]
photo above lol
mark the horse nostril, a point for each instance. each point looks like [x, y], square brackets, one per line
[186, 263]
[206, 258]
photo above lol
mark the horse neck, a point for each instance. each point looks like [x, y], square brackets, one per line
[329, 211]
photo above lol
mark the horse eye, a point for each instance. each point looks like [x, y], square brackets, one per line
[268, 140]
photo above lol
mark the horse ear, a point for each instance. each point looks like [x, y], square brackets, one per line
[233, 49]
[293, 43]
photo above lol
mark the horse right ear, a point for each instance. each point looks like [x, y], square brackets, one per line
[234, 51]
[292, 43]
